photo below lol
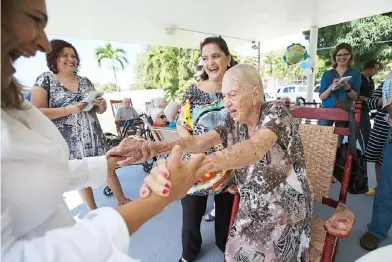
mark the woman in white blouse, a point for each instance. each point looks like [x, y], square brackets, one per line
[36, 224]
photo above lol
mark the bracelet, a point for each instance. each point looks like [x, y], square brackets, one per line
[348, 91]
[65, 112]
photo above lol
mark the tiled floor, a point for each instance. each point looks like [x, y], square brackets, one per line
[159, 240]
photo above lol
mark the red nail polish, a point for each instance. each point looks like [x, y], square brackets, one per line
[165, 191]
[166, 175]
[167, 185]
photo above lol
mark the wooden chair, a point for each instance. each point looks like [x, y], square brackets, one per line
[115, 105]
[320, 146]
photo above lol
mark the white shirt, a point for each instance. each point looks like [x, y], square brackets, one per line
[36, 224]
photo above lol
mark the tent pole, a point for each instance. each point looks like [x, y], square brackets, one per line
[312, 62]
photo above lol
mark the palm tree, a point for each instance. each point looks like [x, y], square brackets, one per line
[116, 55]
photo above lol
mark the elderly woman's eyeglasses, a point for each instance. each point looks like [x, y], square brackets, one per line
[162, 117]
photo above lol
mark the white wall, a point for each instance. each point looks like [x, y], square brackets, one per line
[139, 98]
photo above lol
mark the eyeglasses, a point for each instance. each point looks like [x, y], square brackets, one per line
[162, 117]
[343, 55]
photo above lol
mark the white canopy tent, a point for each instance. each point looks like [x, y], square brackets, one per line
[240, 22]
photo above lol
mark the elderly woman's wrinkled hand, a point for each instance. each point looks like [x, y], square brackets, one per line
[173, 177]
[134, 151]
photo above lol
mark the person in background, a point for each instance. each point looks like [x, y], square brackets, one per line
[286, 101]
[171, 111]
[36, 224]
[382, 205]
[202, 109]
[125, 112]
[346, 91]
[367, 88]
[59, 94]
[160, 120]
[378, 135]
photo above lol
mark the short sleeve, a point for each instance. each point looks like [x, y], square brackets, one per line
[118, 113]
[387, 92]
[43, 81]
[135, 113]
[184, 117]
[226, 130]
[89, 83]
[278, 119]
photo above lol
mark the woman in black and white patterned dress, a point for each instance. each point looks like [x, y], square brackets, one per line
[378, 135]
[58, 94]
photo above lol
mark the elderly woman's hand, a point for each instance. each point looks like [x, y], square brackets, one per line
[134, 151]
[173, 177]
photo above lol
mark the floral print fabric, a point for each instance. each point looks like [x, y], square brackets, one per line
[275, 211]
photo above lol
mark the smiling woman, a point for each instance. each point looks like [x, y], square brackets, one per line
[59, 94]
[36, 224]
[23, 37]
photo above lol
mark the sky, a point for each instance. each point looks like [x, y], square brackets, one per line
[28, 69]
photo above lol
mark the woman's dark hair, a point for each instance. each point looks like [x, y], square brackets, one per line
[371, 64]
[340, 47]
[221, 43]
[57, 49]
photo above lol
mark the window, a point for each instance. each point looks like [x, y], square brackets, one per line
[301, 88]
[289, 89]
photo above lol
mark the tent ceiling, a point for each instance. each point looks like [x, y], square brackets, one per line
[145, 21]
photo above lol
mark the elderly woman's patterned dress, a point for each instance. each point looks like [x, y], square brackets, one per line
[274, 216]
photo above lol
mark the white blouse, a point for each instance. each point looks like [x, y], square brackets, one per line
[36, 224]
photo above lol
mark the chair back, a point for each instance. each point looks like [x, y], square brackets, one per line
[167, 134]
[116, 104]
[320, 146]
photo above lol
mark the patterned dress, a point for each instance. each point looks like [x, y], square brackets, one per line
[200, 113]
[82, 131]
[275, 211]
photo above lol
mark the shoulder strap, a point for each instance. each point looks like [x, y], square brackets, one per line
[355, 134]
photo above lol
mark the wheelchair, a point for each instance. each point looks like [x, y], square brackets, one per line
[141, 131]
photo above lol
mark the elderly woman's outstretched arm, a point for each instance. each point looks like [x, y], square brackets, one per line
[244, 153]
[137, 151]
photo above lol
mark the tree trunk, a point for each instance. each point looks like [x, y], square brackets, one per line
[115, 76]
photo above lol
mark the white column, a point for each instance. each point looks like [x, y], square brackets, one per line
[312, 62]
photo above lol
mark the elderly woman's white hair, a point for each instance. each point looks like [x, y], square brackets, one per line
[171, 110]
[159, 102]
[247, 75]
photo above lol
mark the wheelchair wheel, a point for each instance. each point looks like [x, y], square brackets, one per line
[147, 167]
[107, 191]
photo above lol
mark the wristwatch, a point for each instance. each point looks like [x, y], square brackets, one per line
[349, 90]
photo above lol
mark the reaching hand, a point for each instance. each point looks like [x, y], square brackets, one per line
[99, 102]
[134, 151]
[182, 175]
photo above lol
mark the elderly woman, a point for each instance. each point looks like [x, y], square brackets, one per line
[265, 149]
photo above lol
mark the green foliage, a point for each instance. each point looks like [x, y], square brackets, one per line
[106, 88]
[117, 57]
[361, 34]
[275, 67]
[170, 68]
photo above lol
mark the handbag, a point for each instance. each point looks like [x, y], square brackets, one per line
[358, 179]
